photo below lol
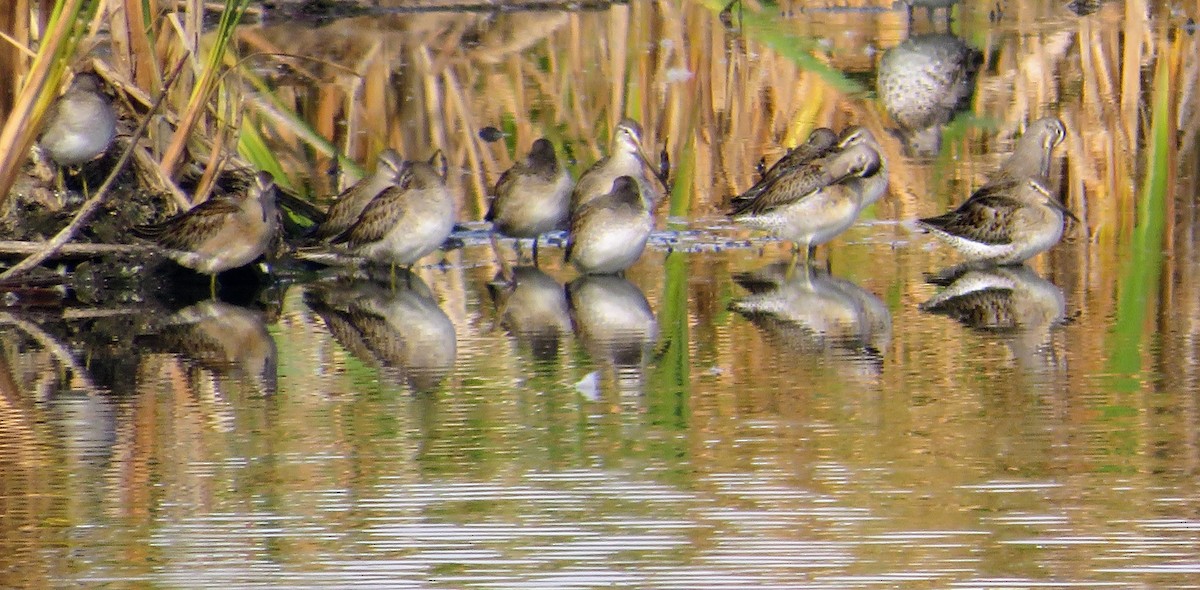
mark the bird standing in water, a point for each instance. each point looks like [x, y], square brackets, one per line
[353, 200]
[532, 197]
[1004, 226]
[609, 233]
[814, 203]
[626, 157]
[407, 220]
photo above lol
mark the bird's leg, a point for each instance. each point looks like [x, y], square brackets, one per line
[535, 244]
[212, 286]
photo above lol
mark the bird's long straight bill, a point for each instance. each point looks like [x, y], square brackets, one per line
[653, 169]
[1061, 207]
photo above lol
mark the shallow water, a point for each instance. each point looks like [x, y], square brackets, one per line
[710, 420]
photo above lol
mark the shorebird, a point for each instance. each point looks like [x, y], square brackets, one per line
[221, 233]
[609, 232]
[812, 204]
[626, 157]
[80, 124]
[820, 142]
[923, 82]
[532, 197]
[1004, 226]
[351, 202]
[407, 220]
[1030, 156]
[872, 185]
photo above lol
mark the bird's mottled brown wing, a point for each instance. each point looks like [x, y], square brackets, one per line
[819, 143]
[186, 230]
[987, 219]
[785, 189]
[503, 186]
[340, 213]
[380, 216]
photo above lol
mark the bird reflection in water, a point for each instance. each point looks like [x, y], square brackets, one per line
[813, 312]
[533, 308]
[923, 83]
[616, 326]
[401, 331]
[1013, 303]
[225, 340]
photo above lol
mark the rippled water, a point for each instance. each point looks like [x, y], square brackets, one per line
[709, 421]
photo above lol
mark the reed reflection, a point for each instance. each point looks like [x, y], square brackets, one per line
[811, 311]
[1013, 303]
[616, 326]
[533, 308]
[401, 331]
[226, 340]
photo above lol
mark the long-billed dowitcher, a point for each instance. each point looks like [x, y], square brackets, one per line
[1030, 156]
[819, 143]
[609, 233]
[532, 197]
[351, 202]
[80, 125]
[626, 157]
[407, 220]
[221, 233]
[1003, 227]
[923, 82]
[872, 185]
[812, 204]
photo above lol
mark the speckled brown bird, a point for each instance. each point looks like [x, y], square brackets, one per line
[351, 202]
[407, 220]
[811, 205]
[1003, 227]
[221, 233]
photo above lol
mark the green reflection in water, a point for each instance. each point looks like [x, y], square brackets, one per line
[770, 28]
[1142, 268]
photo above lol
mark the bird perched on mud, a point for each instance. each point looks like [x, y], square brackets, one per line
[223, 232]
[532, 197]
[80, 125]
